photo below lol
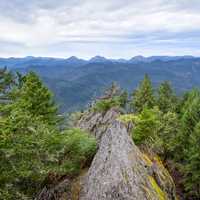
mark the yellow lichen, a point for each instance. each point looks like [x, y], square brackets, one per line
[126, 118]
[147, 159]
[165, 174]
[161, 195]
[158, 160]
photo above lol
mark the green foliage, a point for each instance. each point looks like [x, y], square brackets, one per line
[113, 97]
[126, 118]
[143, 96]
[190, 116]
[31, 146]
[166, 100]
[188, 142]
[71, 119]
[29, 158]
[106, 104]
[6, 81]
[147, 125]
[123, 99]
[36, 99]
[172, 129]
[78, 149]
[191, 168]
[165, 142]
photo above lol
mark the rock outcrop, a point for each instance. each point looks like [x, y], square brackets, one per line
[119, 169]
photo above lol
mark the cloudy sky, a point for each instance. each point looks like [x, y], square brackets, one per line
[111, 28]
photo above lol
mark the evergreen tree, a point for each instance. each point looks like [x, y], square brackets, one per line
[166, 100]
[191, 168]
[31, 147]
[36, 99]
[165, 142]
[190, 116]
[147, 125]
[143, 95]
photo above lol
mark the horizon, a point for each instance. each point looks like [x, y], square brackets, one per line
[89, 58]
[114, 29]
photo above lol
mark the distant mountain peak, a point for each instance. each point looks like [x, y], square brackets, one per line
[72, 58]
[138, 58]
[99, 59]
[75, 60]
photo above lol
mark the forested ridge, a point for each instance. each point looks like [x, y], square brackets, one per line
[39, 147]
[75, 82]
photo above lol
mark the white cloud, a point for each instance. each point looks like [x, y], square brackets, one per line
[41, 25]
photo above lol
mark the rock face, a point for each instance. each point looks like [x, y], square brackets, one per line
[120, 171]
[97, 123]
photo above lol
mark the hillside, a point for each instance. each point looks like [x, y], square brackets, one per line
[75, 81]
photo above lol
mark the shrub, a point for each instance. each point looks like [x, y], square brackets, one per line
[27, 159]
[78, 148]
[106, 104]
[147, 125]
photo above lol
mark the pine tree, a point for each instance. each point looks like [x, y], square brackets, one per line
[167, 136]
[31, 145]
[190, 116]
[37, 100]
[166, 99]
[143, 95]
[191, 168]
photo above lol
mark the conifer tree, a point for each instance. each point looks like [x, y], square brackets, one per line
[192, 164]
[31, 146]
[166, 100]
[37, 100]
[143, 95]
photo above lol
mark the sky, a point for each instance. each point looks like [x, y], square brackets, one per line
[110, 28]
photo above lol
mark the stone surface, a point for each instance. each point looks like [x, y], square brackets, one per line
[97, 123]
[120, 171]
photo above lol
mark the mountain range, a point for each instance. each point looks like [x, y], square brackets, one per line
[76, 81]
